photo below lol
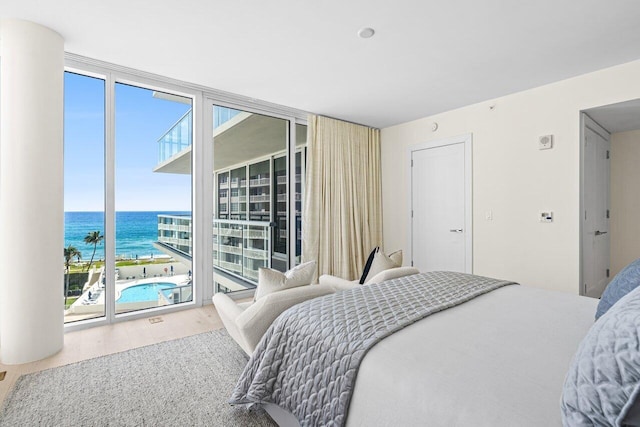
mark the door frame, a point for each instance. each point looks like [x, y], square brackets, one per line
[586, 122]
[467, 140]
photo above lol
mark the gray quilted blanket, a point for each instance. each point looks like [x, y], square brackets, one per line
[308, 360]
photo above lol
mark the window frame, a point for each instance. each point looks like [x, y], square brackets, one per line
[202, 182]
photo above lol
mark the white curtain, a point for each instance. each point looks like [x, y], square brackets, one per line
[342, 219]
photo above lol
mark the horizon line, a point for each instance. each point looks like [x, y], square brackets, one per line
[156, 210]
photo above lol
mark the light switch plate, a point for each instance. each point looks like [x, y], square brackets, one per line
[546, 216]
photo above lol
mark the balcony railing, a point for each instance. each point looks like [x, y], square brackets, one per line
[177, 295]
[240, 247]
[177, 138]
[259, 198]
[180, 135]
[257, 182]
[282, 179]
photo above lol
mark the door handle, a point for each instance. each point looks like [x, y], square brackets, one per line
[456, 230]
[598, 232]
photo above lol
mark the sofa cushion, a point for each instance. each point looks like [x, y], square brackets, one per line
[270, 280]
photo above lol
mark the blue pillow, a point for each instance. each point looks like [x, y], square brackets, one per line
[602, 387]
[625, 281]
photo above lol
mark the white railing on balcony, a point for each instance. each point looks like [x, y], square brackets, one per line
[259, 198]
[240, 247]
[283, 197]
[283, 179]
[259, 182]
[177, 138]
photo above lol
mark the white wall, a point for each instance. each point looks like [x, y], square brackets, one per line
[511, 177]
[625, 199]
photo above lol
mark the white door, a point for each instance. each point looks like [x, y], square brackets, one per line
[440, 199]
[595, 230]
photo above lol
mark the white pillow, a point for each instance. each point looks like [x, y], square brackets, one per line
[270, 280]
[382, 262]
[396, 257]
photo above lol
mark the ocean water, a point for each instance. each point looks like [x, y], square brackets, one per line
[135, 232]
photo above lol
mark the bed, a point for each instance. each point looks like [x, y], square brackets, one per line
[499, 358]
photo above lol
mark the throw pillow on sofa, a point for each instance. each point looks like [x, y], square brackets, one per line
[270, 280]
[382, 262]
[367, 265]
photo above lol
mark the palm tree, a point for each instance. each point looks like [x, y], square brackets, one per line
[70, 252]
[93, 238]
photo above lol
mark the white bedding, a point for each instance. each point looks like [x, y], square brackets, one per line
[498, 360]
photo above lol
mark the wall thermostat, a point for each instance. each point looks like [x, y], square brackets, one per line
[545, 142]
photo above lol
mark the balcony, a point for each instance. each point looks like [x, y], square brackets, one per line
[259, 198]
[177, 138]
[283, 197]
[259, 182]
[240, 247]
[282, 179]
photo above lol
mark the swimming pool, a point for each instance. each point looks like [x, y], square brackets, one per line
[144, 292]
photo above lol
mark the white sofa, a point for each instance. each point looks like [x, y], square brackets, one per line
[340, 284]
[247, 322]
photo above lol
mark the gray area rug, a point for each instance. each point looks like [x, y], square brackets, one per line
[184, 382]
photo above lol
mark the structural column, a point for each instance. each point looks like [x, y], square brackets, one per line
[31, 192]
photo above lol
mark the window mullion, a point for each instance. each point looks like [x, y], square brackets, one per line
[109, 219]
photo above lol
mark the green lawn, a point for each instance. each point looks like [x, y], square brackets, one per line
[70, 300]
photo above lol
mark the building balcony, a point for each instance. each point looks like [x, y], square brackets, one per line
[259, 198]
[237, 182]
[243, 240]
[283, 197]
[282, 180]
[259, 182]
[177, 139]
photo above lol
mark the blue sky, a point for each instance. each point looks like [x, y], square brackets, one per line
[141, 120]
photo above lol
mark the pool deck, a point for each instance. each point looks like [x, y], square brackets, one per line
[85, 305]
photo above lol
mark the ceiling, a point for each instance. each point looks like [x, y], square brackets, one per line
[620, 117]
[426, 56]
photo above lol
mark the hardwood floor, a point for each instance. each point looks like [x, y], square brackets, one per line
[109, 339]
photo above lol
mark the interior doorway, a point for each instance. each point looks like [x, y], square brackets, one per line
[610, 203]
[596, 152]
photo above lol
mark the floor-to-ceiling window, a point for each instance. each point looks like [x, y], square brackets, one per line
[153, 242]
[84, 172]
[132, 174]
[250, 198]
